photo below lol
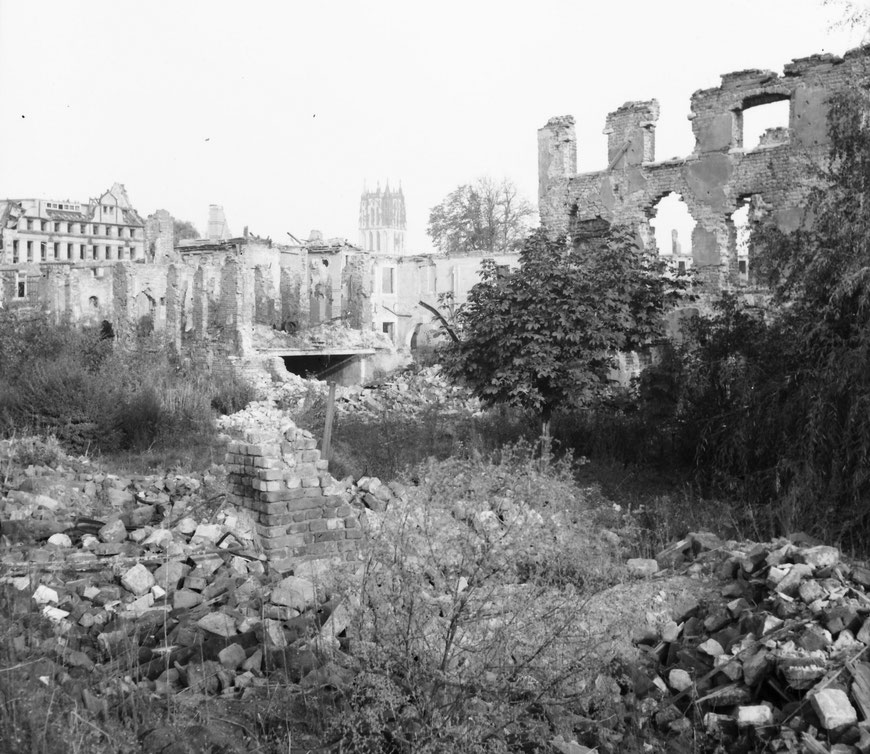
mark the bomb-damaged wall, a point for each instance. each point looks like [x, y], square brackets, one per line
[718, 177]
[205, 305]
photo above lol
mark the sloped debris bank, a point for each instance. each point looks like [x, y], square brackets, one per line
[777, 660]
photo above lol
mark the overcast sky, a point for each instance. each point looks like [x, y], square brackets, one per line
[280, 111]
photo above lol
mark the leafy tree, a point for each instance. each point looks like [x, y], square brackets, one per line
[484, 216]
[546, 335]
[184, 229]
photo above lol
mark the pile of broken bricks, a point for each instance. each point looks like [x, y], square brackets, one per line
[166, 588]
[779, 660]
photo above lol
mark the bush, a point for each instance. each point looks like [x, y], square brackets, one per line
[232, 395]
[468, 629]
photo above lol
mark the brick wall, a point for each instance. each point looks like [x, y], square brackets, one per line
[718, 176]
[298, 509]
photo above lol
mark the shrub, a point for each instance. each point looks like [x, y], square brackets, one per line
[140, 420]
[468, 629]
[232, 395]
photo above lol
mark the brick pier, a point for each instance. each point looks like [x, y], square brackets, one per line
[298, 509]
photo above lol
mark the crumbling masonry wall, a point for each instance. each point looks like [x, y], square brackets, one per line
[298, 510]
[717, 177]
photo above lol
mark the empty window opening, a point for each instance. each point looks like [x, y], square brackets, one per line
[389, 329]
[94, 302]
[672, 225]
[21, 288]
[763, 124]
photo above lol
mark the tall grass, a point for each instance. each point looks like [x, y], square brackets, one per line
[95, 396]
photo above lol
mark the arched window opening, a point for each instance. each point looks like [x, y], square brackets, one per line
[672, 225]
[94, 302]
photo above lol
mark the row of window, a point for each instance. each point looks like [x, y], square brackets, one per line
[61, 205]
[67, 251]
[47, 226]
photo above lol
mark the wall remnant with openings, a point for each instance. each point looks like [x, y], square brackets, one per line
[721, 176]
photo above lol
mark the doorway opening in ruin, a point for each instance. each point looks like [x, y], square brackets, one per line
[762, 122]
[672, 226]
[741, 220]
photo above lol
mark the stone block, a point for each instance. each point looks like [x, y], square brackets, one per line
[833, 708]
[754, 715]
[113, 531]
[232, 657]
[138, 580]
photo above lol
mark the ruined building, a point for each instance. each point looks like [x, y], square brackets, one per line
[38, 236]
[401, 279]
[719, 183]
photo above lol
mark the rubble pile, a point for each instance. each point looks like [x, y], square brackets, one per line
[160, 590]
[778, 658]
[407, 393]
[410, 392]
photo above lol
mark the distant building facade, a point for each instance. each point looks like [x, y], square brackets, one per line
[37, 235]
[401, 279]
[382, 221]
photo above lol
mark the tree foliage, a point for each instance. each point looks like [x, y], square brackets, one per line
[546, 335]
[780, 403]
[184, 229]
[483, 216]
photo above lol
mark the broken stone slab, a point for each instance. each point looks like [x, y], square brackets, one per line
[206, 533]
[169, 574]
[642, 567]
[822, 556]
[294, 592]
[218, 623]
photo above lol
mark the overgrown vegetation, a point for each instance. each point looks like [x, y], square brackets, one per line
[95, 396]
[468, 631]
[776, 402]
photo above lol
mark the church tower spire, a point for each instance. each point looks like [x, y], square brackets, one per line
[382, 220]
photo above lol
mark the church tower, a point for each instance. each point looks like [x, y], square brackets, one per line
[382, 220]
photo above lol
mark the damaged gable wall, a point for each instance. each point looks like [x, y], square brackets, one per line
[719, 175]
